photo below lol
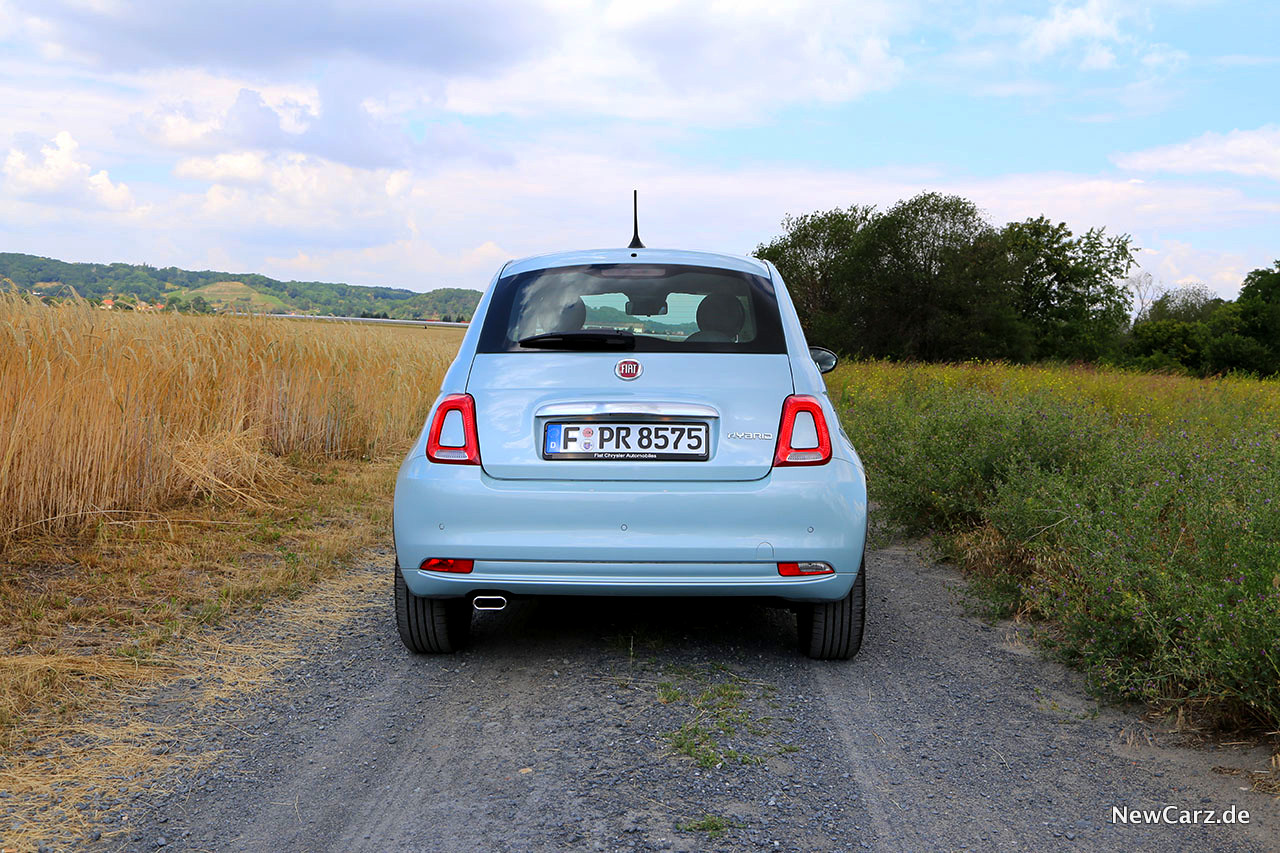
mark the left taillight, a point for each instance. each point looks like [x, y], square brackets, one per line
[803, 438]
[454, 422]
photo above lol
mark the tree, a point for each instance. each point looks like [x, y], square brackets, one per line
[199, 305]
[813, 257]
[1193, 303]
[1145, 291]
[932, 281]
[1071, 289]
[1236, 352]
[1260, 306]
[1162, 344]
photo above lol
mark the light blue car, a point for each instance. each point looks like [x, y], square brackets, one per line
[636, 422]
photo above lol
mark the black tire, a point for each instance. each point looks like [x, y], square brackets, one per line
[431, 626]
[832, 630]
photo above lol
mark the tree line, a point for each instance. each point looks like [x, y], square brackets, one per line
[931, 279]
[1192, 330]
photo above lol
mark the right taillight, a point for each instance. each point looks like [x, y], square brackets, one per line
[452, 438]
[803, 438]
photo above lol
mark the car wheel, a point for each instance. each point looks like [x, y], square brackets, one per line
[832, 630]
[431, 626]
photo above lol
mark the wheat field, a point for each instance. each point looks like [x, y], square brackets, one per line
[103, 414]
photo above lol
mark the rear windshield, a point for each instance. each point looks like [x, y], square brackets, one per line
[668, 308]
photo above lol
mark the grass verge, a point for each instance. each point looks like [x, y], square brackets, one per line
[82, 615]
[1135, 518]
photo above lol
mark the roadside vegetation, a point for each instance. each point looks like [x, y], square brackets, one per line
[158, 472]
[1134, 517]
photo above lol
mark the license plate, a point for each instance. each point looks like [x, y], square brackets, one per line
[625, 442]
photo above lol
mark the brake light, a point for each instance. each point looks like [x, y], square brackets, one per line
[459, 567]
[796, 570]
[804, 423]
[463, 408]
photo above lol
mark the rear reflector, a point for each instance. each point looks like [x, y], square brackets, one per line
[795, 570]
[803, 438]
[460, 567]
[461, 407]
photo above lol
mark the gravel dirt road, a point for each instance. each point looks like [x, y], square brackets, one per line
[689, 725]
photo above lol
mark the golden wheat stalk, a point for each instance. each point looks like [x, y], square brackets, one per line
[108, 411]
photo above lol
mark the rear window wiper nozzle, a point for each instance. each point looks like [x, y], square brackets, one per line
[584, 339]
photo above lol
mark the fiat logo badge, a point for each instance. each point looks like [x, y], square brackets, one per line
[628, 369]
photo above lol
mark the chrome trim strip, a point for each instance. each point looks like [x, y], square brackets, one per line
[679, 410]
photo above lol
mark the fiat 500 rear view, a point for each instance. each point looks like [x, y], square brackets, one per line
[632, 422]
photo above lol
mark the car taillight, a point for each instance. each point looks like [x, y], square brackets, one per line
[462, 408]
[803, 438]
[460, 567]
[795, 570]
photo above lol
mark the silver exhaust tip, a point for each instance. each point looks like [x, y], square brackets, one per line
[489, 602]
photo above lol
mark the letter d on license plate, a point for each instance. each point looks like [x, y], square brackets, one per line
[625, 442]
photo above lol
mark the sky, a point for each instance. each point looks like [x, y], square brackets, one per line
[422, 144]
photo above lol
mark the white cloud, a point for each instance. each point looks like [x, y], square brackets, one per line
[412, 262]
[235, 167]
[1017, 89]
[442, 36]
[1253, 153]
[1162, 58]
[9, 22]
[1243, 60]
[1177, 263]
[723, 62]
[289, 202]
[1094, 21]
[1099, 58]
[57, 173]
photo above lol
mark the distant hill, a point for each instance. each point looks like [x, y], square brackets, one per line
[223, 291]
[604, 315]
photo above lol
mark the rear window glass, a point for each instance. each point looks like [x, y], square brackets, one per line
[669, 308]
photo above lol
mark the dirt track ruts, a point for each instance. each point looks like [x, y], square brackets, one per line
[551, 733]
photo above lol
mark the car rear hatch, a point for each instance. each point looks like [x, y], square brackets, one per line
[738, 397]
[630, 371]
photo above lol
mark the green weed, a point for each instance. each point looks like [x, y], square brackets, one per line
[713, 825]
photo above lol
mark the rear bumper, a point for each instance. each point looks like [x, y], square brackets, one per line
[552, 537]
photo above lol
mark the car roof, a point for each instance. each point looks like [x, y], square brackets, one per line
[637, 256]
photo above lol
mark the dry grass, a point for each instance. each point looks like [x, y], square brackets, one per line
[78, 612]
[158, 474]
[141, 738]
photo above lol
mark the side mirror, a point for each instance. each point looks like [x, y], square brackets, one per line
[824, 358]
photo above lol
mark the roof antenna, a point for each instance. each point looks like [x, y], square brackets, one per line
[635, 215]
